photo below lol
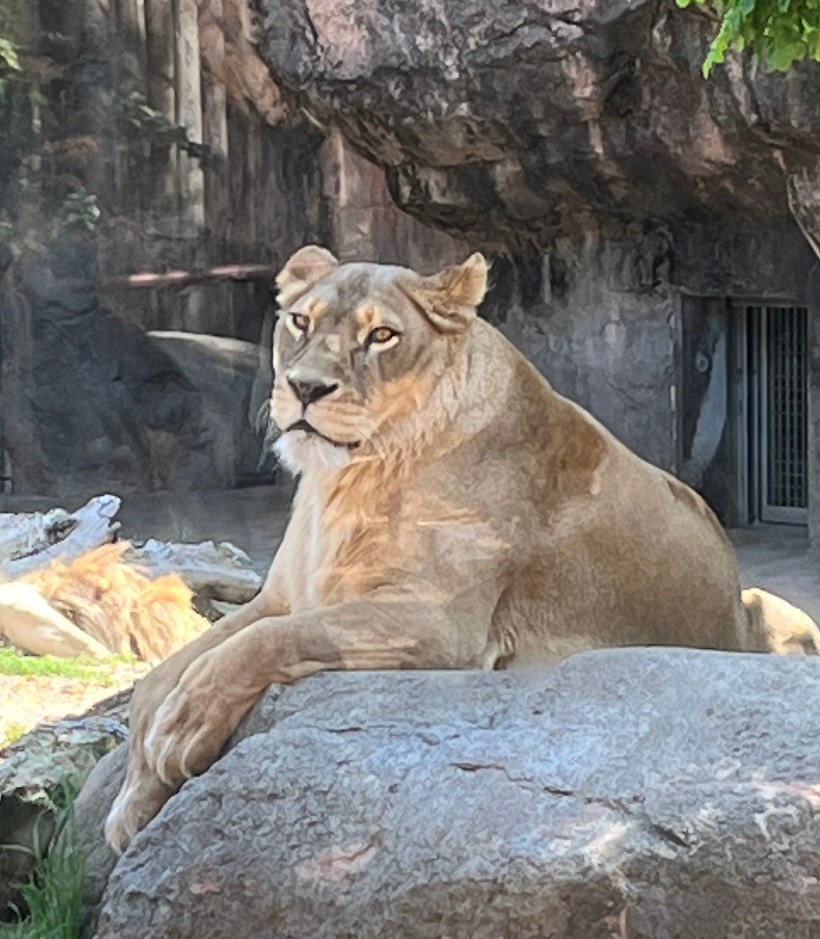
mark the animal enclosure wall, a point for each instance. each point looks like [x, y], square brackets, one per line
[739, 417]
[140, 135]
[599, 318]
[150, 136]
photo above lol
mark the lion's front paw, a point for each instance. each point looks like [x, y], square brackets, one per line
[141, 797]
[194, 722]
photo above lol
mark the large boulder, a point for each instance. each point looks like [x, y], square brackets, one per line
[643, 793]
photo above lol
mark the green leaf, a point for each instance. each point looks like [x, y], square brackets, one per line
[776, 32]
[8, 55]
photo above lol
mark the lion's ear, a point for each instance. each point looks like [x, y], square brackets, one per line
[304, 269]
[450, 298]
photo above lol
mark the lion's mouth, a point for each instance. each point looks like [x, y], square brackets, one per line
[302, 424]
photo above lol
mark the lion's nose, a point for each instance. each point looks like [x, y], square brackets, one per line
[309, 391]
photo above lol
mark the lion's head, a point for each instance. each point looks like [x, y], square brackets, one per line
[359, 349]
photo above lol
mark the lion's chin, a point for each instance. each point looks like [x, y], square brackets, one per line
[308, 428]
[299, 450]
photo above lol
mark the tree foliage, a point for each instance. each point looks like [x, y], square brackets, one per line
[778, 33]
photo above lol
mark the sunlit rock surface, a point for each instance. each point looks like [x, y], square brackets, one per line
[640, 793]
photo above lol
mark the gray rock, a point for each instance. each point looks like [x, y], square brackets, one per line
[90, 811]
[643, 793]
[33, 772]
[222, 370]
[513, 122]
[105, 407]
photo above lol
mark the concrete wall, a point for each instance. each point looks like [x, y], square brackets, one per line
[635, 324]
[713, 266]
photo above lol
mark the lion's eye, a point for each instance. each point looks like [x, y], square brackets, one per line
[380, 335]
[300, 321]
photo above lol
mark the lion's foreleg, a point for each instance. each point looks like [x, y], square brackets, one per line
[219, 686]
[143, 794]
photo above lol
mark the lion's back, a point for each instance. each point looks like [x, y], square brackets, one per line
[610, 550]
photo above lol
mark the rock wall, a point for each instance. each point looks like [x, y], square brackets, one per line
[161, 143]
[518, 122]
[619, 196]
[619, 193]
[364, 222]
[599, 317]
[129, 145]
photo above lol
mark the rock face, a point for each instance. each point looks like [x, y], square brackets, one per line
[513, 122]
[623, 198]
[642, 793]
[145, 155]
[32, 772]
[92, 401]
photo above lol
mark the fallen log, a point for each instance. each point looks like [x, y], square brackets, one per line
[218, 571]
[149, 280]
[69, 590]
[31, 540]
[29, 622]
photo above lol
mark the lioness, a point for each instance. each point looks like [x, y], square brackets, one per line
[453, 511]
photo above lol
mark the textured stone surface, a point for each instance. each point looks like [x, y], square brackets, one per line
[578, 145]
[88, 400]
[642, 793]
[32, 771]
[105, 407]
[91, 809]
[222, 370]
[516, 120]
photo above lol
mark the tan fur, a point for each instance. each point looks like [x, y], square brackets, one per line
[452, 511]
[117, 604]
[778, 626]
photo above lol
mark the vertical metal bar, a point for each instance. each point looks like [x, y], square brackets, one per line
[783, 392]
[791, 403]
[740, 411]
[783, 418]
[782, 339]
[794, 411]
[794, 455]
[753, 320]
[762, 411]
[804, 408]
[803, 398]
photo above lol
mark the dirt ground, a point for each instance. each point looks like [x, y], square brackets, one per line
[28, 700]
[776, 557]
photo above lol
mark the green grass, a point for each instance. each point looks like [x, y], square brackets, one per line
[53, 895]
[11, 731]
[82, 668]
